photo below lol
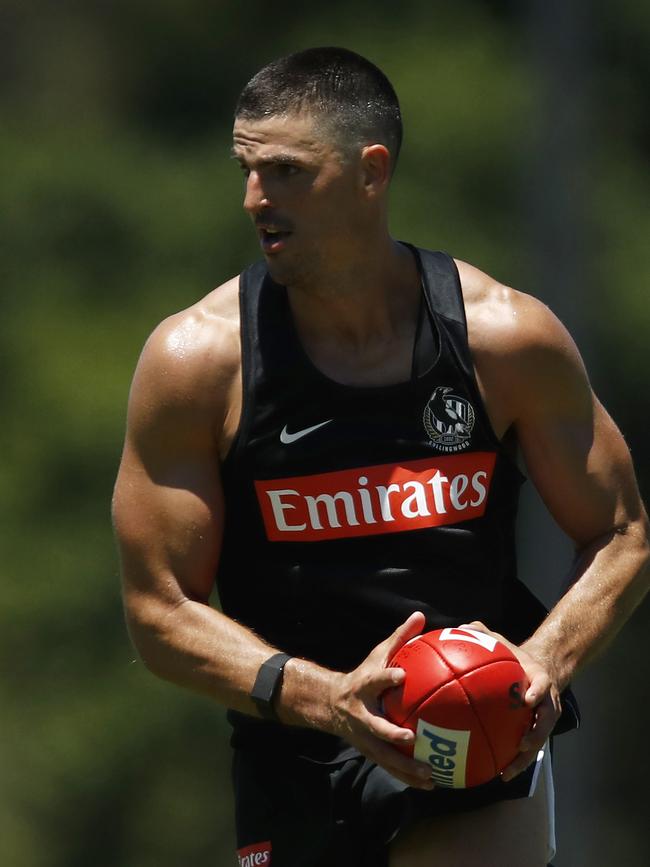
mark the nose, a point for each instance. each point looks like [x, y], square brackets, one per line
[255, 197]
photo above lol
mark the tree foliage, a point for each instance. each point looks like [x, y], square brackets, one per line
[118, 206]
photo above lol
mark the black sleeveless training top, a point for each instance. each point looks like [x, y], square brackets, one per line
[348, 508]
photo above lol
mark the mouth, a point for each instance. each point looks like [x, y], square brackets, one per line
[272, 240]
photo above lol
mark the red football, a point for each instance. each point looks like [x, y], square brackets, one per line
[463, 698]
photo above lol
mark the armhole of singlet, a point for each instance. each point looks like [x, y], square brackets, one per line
[450, 307]
[513, 460]
[247, 391]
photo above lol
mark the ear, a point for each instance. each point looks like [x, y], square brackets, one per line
[375, 165]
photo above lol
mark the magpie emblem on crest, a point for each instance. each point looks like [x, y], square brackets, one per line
[448, 420]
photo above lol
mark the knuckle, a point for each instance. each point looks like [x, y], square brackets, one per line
[371, 728]
[478, 624]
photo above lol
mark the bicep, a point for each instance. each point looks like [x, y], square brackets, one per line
[577, 458]
[168, 521]
[168, 502]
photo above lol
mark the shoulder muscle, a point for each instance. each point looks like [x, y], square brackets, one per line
[168, 504]
[530, 369]
[525, 358]
[188, 371]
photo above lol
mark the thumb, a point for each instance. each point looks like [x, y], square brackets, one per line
[411, 627]
[537, 688]
[387, 678]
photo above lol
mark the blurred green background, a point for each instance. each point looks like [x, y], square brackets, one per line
[527, 138]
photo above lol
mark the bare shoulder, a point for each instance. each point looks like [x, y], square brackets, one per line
[522, 351]
[192, 360]
[500, 317]
[534, 382]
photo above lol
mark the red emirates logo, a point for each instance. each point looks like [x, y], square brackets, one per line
[257, 855]
[368, 501]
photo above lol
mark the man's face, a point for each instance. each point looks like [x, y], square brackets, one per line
[305, 199]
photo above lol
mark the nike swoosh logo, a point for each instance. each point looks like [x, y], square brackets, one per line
[288, 438]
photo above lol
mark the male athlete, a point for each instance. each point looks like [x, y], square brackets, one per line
[332, 437]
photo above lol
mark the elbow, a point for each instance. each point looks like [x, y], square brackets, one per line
[147, 622]
[639, 531]
[645, 557]
[637, 547]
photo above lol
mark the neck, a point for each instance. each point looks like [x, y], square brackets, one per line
[361, 301]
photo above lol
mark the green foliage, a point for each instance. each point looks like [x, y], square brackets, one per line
[119, 206]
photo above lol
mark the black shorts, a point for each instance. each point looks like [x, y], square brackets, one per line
[294, 811]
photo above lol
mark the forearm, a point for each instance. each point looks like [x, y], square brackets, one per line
[610, 578]
[199, 648]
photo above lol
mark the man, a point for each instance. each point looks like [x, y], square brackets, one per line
[333, 435]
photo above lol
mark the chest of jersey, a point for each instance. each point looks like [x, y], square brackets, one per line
[326, 461]
[348, 507]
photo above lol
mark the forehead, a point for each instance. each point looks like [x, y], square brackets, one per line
[298, 134]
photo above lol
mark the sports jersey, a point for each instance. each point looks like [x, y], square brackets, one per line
[350, 507]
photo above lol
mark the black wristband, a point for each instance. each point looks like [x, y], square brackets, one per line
[267, 683]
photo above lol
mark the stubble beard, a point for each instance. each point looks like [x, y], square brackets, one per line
[316, 271]
[304, 272]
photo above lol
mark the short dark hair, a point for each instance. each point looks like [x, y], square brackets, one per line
[346, 91]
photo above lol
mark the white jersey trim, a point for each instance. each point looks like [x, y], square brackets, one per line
[544, 766]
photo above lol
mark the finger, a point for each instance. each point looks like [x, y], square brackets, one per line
[411, 627]
[387, 731]
[478, 626]
[409, 771]
[383, 679]
[519, 765]
[545, 718]
[376, 684]
[537, 688]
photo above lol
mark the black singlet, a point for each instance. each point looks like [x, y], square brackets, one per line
[348, 508]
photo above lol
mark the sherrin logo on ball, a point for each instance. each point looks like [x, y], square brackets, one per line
[446, 752]
[462, 696]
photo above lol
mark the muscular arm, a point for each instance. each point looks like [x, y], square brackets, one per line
[580, 464]
[582, 468]
[168, 513]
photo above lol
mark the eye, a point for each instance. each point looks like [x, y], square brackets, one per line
[287, 170]
[245, 170]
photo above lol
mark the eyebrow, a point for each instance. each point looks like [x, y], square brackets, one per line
[276, 158]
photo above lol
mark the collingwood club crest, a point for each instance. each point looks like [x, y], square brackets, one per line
[448, 420]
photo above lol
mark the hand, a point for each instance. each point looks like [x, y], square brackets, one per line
[542, 696]
[356, 709]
